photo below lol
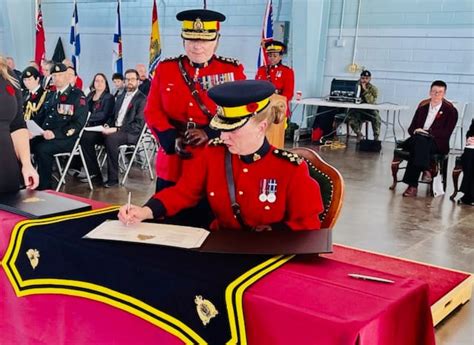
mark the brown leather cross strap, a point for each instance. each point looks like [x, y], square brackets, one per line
[192, 88]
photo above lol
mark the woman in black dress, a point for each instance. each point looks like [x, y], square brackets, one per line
[14, 139]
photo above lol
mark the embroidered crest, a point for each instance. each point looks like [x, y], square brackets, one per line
[142, 237]
[32, 200]
[33, 255]
[198, 25]
[289, 156]
[205, 309]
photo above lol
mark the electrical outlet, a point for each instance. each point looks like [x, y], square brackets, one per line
[340, 42]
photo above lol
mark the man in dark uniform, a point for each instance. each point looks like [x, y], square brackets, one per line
[62, 117]
[178, 108]
[145, 83]
[278, 74]
[34, 95]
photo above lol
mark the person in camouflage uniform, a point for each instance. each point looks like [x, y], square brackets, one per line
[357, 117]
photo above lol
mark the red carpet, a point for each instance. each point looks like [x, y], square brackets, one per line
[440, 280]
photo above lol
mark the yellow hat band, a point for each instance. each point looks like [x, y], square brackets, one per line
[244, 110]
[274, 48]
[199, 25]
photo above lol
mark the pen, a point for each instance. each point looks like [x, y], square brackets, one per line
[375, 279]
[129, 203]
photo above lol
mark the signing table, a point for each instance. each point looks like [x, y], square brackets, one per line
[392, 112]
[308, 300]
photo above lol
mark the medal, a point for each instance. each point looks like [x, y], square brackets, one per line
[262, 197]
[271, 198]
[268, 188]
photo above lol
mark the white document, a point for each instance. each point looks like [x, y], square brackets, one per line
[94, 128]
[438, 186]
[151, 233]
[34, 128]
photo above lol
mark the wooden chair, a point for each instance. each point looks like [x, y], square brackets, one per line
[456, 172]
[330, 182]
[400, 155]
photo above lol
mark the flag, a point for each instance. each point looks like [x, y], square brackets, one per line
[75, 38]
[267, 34]
[117, 51]
[40, 37]
[155, 44]
[59, 55]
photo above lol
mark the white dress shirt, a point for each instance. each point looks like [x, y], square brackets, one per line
[431, 116]
[124, 107]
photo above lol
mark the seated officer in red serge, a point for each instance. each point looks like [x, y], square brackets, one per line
[430, 130]
[249, 184]
[178, 109]
[278, 74]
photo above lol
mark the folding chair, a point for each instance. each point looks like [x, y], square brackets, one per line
[462, 110]
[139, 147]
[76, 150]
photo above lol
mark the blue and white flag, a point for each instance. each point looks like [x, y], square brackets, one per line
[117, 50]
[75, 39]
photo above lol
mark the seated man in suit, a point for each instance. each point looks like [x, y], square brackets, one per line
[123, 128]
[62, 117]
[467, 159]
[430, 130]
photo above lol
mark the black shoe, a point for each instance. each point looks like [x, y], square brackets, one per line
[94, 179]
[110, 184]
[466, 201]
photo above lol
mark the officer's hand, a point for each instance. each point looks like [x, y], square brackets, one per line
[179, 149]
[134, 214]
[420, 130]
[109, 130]
[196, 137]
[48, 135]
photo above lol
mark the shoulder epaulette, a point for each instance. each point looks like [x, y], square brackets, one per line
[171, 58]
[215, 142]
[424, 102]
[228, 60]
[289, 156]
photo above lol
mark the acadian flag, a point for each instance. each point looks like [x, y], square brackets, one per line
[155, 44]
[75, 38]
[40, 37]
[117, 51]
[267, 34]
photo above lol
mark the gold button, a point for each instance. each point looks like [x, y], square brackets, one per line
[267, 207]
[190, 104]
[168, 89]
[245, 170]
[241, 193]
[190, 119]
[211, 194]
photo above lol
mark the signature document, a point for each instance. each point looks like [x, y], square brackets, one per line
[151, 233]
[34, 128]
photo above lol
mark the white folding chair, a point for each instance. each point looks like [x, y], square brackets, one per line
[76, 150]
[139, 148]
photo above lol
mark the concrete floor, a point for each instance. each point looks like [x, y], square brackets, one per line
[432, 230]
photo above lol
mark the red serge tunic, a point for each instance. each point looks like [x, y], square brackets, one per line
[171, 105]
[297, 198]
[282, 77]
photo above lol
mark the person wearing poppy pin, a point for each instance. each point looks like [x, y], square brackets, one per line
[34, 95]
[62, 117]
[178, 109]
[430, 130]
[249, 184]
[282, 76]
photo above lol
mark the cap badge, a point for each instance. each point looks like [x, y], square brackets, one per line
[198, 25]
[28, 74]
[33, 255]
[220, 111]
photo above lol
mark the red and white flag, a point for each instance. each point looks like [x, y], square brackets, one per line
[40, 37]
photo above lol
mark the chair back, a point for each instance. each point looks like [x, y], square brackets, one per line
[330, 183]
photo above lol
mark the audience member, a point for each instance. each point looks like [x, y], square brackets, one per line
[144, 80]
[47, 82]
[62, 117]
[467, 159]
[356, 117]
[34, 95]
[73, 76]
[101, 107]
[430, 130]
[119, 85]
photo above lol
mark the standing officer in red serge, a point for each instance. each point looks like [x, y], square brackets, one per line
[178, 109]
[278, 74]
[249, 184]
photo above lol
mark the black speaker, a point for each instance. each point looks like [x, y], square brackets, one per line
[370, 145]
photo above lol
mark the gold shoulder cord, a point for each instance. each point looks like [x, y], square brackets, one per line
[30, 109]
